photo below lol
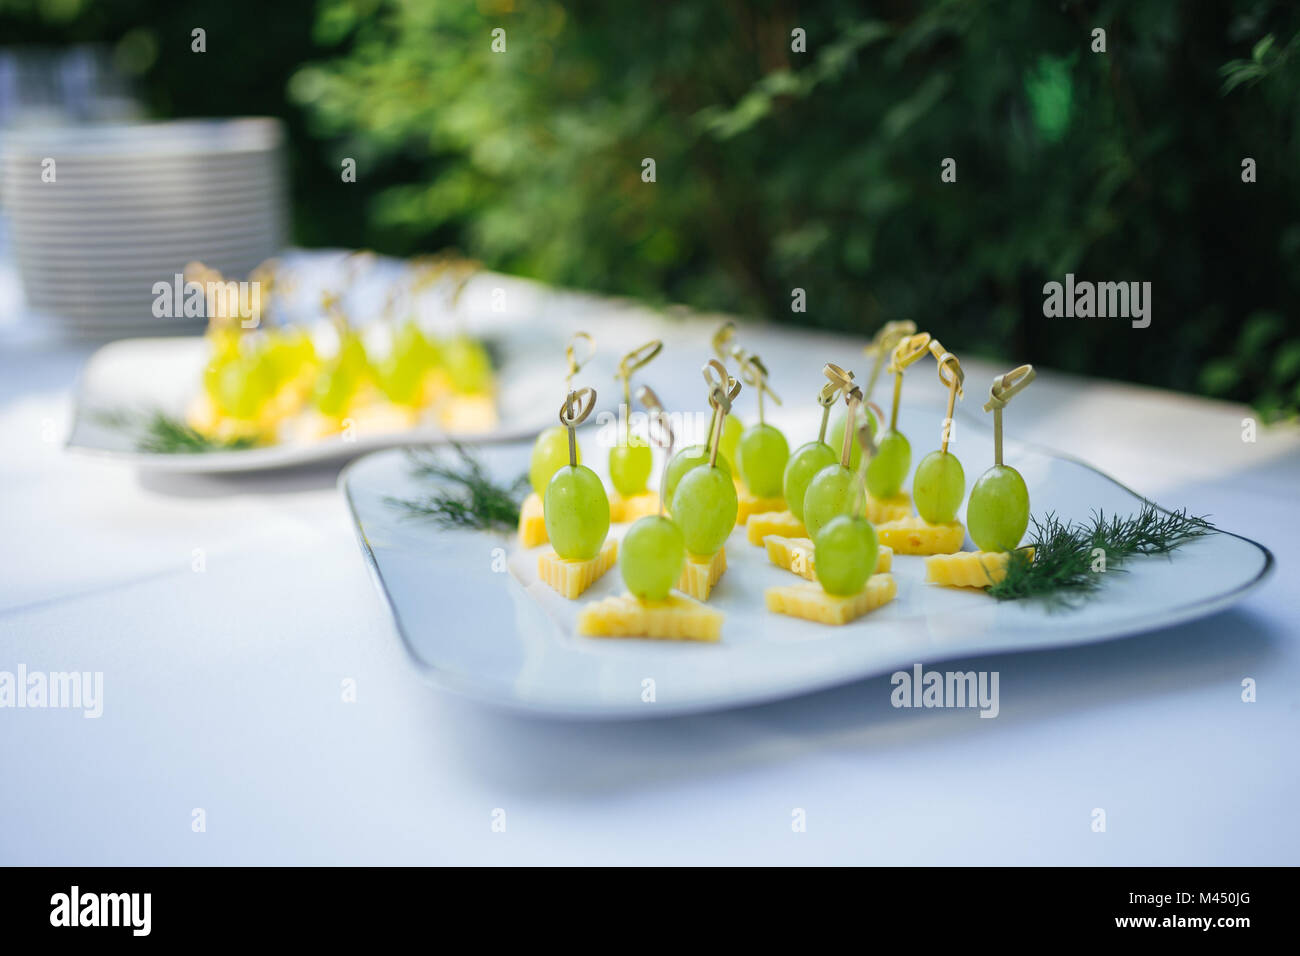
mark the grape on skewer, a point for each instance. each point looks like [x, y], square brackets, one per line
[939, 483]
[811, 457]
[889, 466]
[576, 512]
[705, 502]
[692, 456]
[653, 550]
[881, 347]
[630, 460]
[998, 512]
[837, 489]
[551, 450]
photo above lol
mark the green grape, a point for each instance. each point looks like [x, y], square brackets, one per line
[801, 469]
[731, 432]
[763, 452]
[835, 435]
[468, 364]
[402, 374]
[651, 557]
[888, 467]
[998, 511]
[692, 456]
[576, 512]
[834, 491]
[845, 553]
[704, 507]
[630, 465]
[938, 487]
[337, 384]
[550, 454]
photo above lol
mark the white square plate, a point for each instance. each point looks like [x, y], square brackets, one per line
[475, 620]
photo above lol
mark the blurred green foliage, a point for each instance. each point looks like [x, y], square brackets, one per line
[779, 169]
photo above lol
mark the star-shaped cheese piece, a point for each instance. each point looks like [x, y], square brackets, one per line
[915, 535]
[701, 573]
[571, 578]
[782, 523]
[532, 522]
[880, 510]
[969, 569]
[812, 603]
[626, 510]
[799, 556]
[676, 618]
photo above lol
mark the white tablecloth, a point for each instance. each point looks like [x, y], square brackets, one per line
[222, 689]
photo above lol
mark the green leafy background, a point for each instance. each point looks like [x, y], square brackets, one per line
[778, 170]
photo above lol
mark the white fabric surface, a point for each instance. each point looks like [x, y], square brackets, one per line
[222, 689]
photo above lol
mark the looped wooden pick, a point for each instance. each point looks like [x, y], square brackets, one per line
[828, 396]
[906, 352]
[660, 430]
[722, 339]
[577, 406]
[883, 344]
[951, 377]
[723, 390]
[843, 380]
[1004, 388]
[754, 374]
[637, 358]
[571, 354]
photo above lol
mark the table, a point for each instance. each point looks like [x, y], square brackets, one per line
[222, 688]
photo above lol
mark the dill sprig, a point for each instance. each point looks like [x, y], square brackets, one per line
[1065, 567]
[158, 433]
[467, 498]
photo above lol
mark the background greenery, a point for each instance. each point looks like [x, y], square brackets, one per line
[777, 169]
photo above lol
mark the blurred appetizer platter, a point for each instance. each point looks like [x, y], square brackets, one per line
[301, 365]
[651, 567]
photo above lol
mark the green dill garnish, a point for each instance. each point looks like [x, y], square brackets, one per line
[468, 498]
[1065, 566]
[158, 433]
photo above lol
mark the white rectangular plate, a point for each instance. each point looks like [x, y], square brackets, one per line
[476, 621]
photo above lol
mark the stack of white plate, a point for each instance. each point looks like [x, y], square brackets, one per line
[129, 206]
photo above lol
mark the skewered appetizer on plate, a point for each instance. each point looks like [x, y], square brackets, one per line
[576, 512]
[630, 460]
[704, 503]
[652, 560]
[998, 510]
[845, 554]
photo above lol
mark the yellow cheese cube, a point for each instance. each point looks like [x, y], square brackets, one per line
[880, 510]
[532, 522]
[467, 414]
[701, 573]
[812, 603]
[747, 504]
[676, 618]
[969, 569]
[915, 535]
[798, 555]
[626, 510]
[571, 578]
[782, 523]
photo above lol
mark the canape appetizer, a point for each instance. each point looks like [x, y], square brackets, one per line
[892, 460]
[998, 510]
[704, 503]
[836, 489]
[845, 552]
[652, 560]
[266, 383]
[762, 450]
[879, 350]
[630, 460]
[576, 512]
[938, 485]
[800, 467]
[551, 450]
